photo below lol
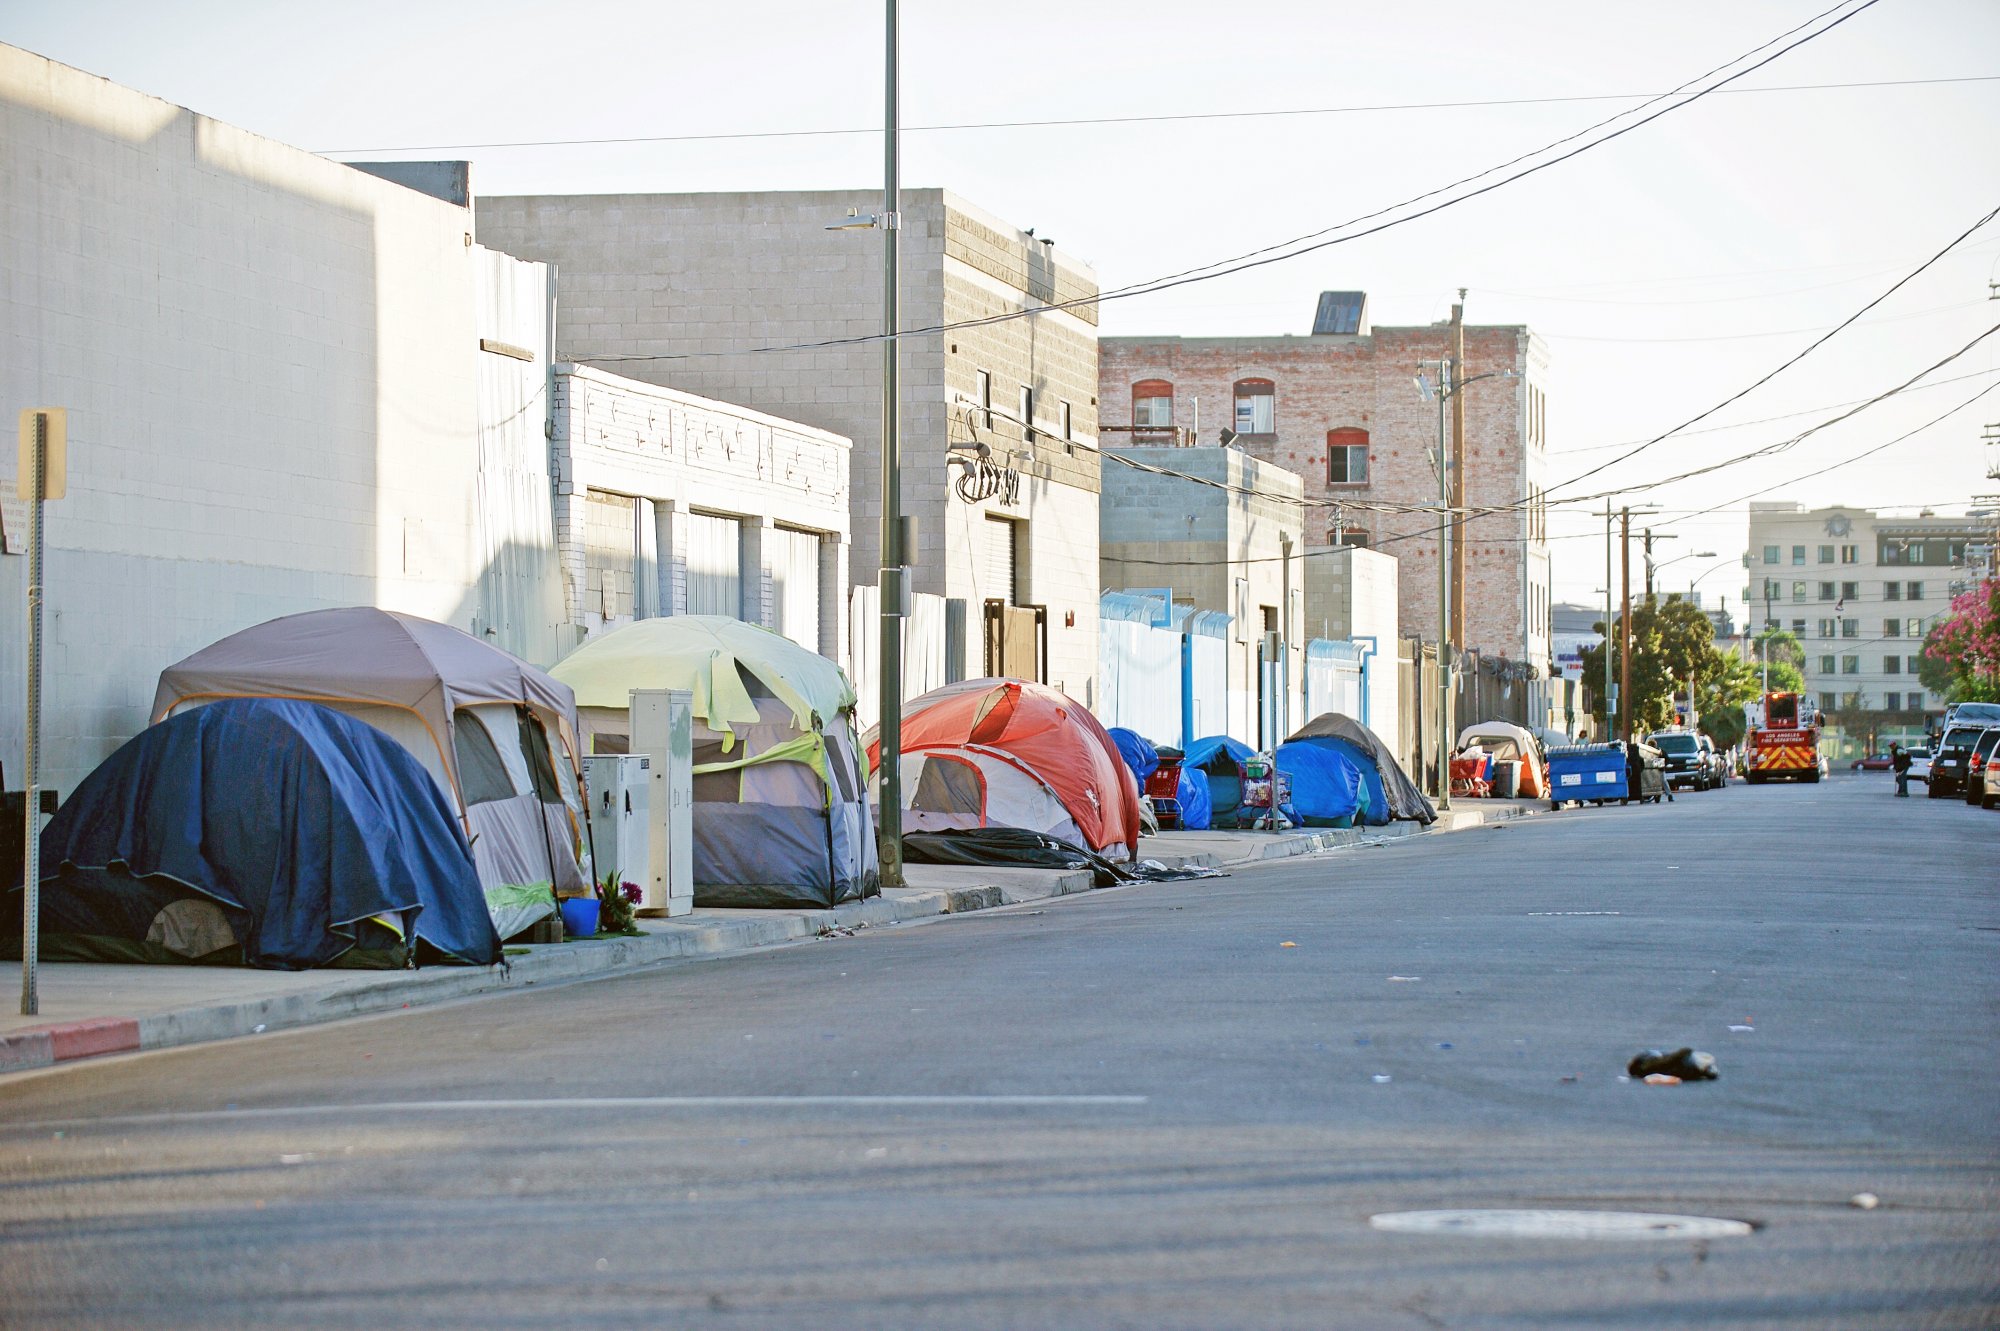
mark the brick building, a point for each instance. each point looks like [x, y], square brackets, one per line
[1341, 409]
[692, 291]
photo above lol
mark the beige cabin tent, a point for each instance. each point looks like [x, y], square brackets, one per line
[495, 732]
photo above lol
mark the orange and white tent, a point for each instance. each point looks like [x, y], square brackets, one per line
[1010, 753]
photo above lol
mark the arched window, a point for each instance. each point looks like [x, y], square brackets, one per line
[1152, 403]
[1256, 406]
[1347, 457]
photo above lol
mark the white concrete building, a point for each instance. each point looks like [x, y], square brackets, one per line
[1859, 591]
[274, 374]
[672, 504]
[750, 298]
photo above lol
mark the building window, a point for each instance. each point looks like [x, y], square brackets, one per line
[1826, 554]
[1771, 589]
[1828, 703]
[1347, 457]
[1916, 592]
[1798, 591]
[1915, 702]
[1826, 665]
[1892, 702]
[1343, 535]
[1892, 591]
[1827, 629]
[1850, 665]
[1892, 665]
[982, 393]
[1850, 628]
[1153, 403]
[1798, 628]
[1826, 591]
[1027, 414]
[1914, 627]
[1798, 554]
[1063, 420]
[1770, 554]
[1850, 554]
[1892, 628]
[1256, 406]
[1850, 591]
[1912, 665]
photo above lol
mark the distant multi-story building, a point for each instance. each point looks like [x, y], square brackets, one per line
[752, 299]
[1859, 591]
[1342, 409]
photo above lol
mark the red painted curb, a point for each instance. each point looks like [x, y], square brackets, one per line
[101, 1035]
[43, 1045]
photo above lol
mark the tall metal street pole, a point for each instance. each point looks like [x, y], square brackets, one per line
[1444, 592]
[31, 877]
[1625, 624]
[1609, 622]
[894, 580]
[1459, 488]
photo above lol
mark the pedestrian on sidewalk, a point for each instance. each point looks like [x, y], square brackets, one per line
[1899, 761]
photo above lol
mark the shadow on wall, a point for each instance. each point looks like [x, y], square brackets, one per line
[204, 302]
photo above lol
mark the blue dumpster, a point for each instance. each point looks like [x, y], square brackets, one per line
[1580, 773]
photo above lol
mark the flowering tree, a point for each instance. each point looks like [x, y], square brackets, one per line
[1962, 651]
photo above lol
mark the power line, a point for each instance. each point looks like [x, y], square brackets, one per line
[1297, 247]
[1815, 345]
[1745, 337]
[1165, 118]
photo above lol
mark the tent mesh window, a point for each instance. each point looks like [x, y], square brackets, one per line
[724, 787]
[541, 766]
[947, 786]
[482, 776]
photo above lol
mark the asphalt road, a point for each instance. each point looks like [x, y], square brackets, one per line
[1139, 1108]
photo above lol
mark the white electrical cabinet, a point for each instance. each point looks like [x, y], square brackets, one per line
[642, 803]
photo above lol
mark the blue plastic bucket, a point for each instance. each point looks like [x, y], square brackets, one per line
[579, 916]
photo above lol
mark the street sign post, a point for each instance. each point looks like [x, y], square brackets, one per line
[43, 476]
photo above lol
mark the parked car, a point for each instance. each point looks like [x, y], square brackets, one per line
[1976, 765]
[1718, 766]
[1920, 765]
[1686, 767]
[1874, 762]
[1948, 764]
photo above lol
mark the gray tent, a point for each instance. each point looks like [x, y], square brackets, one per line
[497, 734]
[1405, 800]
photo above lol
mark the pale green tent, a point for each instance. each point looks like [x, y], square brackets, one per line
[781, 816]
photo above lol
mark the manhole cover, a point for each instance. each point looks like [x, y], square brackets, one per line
[1619, 1225]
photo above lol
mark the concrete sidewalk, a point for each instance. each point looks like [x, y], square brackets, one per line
[90, 1009]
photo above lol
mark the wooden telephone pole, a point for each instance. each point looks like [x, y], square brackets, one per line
[1461, 492]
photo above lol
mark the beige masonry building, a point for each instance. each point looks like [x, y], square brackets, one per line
[717, 295]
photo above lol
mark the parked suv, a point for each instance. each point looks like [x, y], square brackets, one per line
[1949, 761]
[1976, 765]
[1686, 767]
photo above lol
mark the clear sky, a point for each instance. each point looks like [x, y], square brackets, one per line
[1668, 269]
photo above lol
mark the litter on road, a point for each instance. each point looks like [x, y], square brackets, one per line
[1680, 1064]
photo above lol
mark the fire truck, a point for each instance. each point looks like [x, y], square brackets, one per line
[1784, 740]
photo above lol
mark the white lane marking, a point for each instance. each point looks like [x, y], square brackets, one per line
[599, 1102]
[1622, 1226]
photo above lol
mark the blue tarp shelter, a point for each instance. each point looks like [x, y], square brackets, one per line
[1328, 788]
[276, 833]
[1218, 760]
[1389, 791]
[1137, 751]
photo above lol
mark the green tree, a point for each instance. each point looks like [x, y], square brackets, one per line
[1672, 643]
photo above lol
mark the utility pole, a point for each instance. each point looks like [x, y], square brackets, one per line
[1609, 623]
[895, 560]
[1625, 625]
[1647, 537]
[1444, 606]
[1459, 487]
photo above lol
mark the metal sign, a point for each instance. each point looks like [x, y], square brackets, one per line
[54, 435]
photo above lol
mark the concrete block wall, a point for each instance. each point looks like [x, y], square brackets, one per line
[1365, 382]
[269, 363]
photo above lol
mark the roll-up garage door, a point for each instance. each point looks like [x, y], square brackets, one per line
[1000, 568]
[714, 566]
[795, 585]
